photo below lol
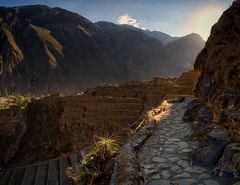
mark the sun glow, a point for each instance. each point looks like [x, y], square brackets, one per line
[205, 18]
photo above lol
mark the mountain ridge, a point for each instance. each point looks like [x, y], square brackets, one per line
[161, 36]
[58, 50]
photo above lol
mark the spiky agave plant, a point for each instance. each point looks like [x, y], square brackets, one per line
[94, 164]
[107, 147]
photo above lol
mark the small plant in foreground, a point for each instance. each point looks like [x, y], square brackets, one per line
[97, 163]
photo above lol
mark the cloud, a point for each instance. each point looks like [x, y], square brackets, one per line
[126, 19]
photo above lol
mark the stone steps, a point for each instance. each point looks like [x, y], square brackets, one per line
[51, 172]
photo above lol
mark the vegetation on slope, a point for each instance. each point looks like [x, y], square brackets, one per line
[8, 101]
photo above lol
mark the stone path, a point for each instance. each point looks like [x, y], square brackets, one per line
[165, 156]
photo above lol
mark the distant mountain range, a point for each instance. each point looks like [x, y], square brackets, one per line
[163, 37]
[45, 50]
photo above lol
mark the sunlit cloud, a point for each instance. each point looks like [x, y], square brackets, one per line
[126, 19]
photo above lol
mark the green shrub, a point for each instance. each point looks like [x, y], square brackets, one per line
[97, 163]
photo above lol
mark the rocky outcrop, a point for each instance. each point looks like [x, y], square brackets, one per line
[48, 50]
[219, 63]
[216, 113]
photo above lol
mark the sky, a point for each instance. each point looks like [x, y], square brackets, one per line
[174, 17]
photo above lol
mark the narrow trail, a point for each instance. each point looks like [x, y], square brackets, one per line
[165, 158]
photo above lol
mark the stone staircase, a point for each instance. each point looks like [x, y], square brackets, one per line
[51, 172]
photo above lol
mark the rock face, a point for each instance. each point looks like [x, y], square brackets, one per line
[219, 63]
[50, 49]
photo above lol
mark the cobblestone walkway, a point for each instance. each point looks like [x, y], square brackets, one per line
[165, 156]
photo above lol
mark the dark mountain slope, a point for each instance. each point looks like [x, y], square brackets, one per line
[51, 49]
[48, 49]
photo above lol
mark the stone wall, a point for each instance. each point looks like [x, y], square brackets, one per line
[59, 124]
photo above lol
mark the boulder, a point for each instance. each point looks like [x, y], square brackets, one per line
[208, 152]
[229, 164]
